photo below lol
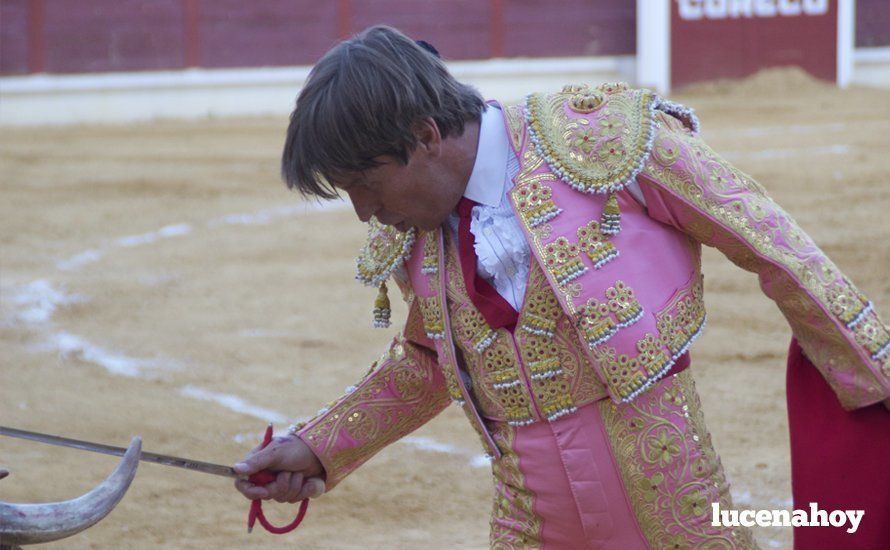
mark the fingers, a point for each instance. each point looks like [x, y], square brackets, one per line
[313, 487]
[279, 488]
[250, 490]
[287, 487]
[296, 484]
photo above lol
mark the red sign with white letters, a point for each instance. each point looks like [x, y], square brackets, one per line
[713, 39]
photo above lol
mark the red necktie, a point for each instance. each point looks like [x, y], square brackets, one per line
[498, 313]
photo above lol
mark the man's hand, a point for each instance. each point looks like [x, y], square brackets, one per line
[297, 466]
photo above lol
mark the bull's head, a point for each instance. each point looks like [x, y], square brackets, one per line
[36, 523]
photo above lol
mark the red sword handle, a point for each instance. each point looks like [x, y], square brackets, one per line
[265, 477]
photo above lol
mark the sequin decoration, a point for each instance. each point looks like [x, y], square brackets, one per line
[430, 264]
[607, 160]
[433, 320]
[472, 328]
[669, 467]
[514, 523]
[385, 249]
[561, 257]
[535, 203]
[679, 323]
[600, 320]
[719, 205]
[592, 242]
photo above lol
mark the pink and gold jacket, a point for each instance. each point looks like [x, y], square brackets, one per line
[619, 294]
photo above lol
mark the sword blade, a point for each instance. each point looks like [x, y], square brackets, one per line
[166, 460]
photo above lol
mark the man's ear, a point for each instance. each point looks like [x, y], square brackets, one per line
[429, 139]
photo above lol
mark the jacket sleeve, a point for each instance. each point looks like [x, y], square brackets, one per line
[690, 187]
[400, 392]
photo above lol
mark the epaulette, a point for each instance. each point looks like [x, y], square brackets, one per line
[384, 251]
[597, 140]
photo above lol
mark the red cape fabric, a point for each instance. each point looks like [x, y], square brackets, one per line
[839, 460]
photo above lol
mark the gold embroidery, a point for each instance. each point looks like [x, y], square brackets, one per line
[430, 263]
[746, 217]
[367, 416]
[472, 329]
[514, 523]
[681, 319]
[586, 101]
[669, 467]
[433, 320]
[561, 259]
[592, 242]
[585, 157]
[385, 250]
[535, 203]
[599, 321]
[679, 323]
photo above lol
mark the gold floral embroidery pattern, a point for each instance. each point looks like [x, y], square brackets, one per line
[514, 523]
[494, 367]
[398, 395]
[385, 250]
[536, 203]
[682, 319]
[592, 242]
[669, 467]
[585, 157]
[599, 321]
[679, 323]
[561, 258]
[541, 310]
[471, 327]
[433, 320]
[757, 234]
[430, 264]
[544, 355]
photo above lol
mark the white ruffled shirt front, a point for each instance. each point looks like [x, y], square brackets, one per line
[501, 248]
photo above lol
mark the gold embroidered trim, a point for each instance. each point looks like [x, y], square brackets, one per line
[678, 324]
[742, 208]
[561, 258]
[535, 203]
[433, 320]
[514, 523]
[471, 327]
[430, 264]
[593, 157]
[669, 467]
[592, 242]
[599, 321]
[384, 251]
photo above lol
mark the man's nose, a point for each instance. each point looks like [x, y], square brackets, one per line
[364, 205]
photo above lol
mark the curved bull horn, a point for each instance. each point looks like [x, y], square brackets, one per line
[36, 523]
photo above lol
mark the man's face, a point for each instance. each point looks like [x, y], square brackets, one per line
[402, 196]
[418, 194]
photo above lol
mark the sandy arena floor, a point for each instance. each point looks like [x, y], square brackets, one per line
[158, 280]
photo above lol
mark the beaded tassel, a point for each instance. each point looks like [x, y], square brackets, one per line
[610, 224]
[381, 307]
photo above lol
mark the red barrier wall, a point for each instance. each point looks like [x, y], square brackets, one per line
[65, 36]
[708, 44]
[75, 36]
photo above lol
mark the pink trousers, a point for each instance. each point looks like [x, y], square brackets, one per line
[623, 477]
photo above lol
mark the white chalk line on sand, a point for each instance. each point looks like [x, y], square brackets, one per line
[264, 216]
[37, 302]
